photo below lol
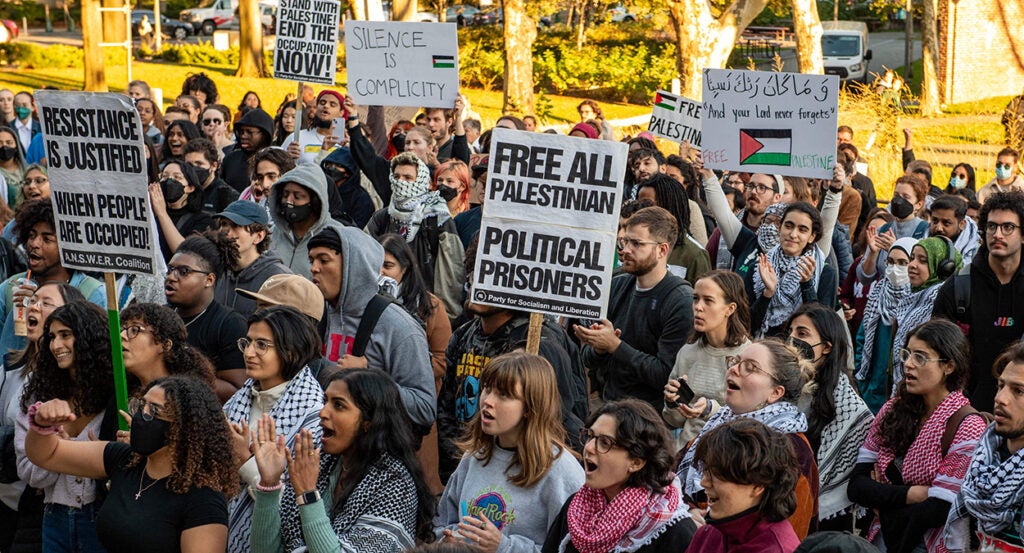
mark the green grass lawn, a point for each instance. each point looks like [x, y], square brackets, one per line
[169, 77]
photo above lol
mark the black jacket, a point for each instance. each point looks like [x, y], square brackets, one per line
[234, 169]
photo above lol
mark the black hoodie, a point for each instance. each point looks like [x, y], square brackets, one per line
[235, 167]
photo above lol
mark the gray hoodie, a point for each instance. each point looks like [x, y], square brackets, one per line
[249, 278]
[398, 343]
[283, 243]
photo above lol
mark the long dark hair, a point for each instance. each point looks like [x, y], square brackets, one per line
[180, 358]
[295, 338]
[832, 332]
[188, 129]
[388, 430]
[414, 293]
[900, 425]
[68, 294]
[90, 390]
[671, 195]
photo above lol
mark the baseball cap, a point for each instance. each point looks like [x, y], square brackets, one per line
[244, 213]
[294, 290]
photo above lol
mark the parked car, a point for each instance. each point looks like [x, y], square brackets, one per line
[171, 28]
[452, 13]
[426, 17]
[620, 14]
[489, 16]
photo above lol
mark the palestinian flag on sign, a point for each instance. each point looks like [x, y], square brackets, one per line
[665, 101]
[444, 62]
[766, 147]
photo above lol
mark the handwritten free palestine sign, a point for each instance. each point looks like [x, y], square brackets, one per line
[778, 123]
[402, 64]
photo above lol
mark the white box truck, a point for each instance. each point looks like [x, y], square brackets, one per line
[211, 15]
[844, 45]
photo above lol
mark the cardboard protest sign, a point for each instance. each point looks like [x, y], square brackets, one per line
[675, 118]
[402, 64]
[98, 181]
[550, 216]
[306, 45]
[760, 122]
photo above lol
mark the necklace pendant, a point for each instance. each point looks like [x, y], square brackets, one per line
[137, 496]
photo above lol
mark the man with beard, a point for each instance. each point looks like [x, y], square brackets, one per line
[35, 231]
[759, 192]
[987, 298]
[948, 217]
[992, 493]
[650, 315]
[253, 132]
[324, 134]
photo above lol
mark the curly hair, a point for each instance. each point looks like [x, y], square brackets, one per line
[202, 83]
[900, 425]
[68, 294]
[671, 195]
[277, 156]
[1000, 201]
[832, 331]
[745, 451]
[640, 431]
[598, 114]
[388, 430]
[199, 438]
[531, 379]
[93, 384]
[180, 358]
[295, 338]
[216, 250]
[31, 213]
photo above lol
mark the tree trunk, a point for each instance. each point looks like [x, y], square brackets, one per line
[403, 10]
[113, 22]
[92, 33]
[581, 29]
[930, 94]
[807, 28]
[359, 11]
[520, 32]
[705, 41]
[251, 62]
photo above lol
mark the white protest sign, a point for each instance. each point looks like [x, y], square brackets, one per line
[306, 45]
[760, 122]
[402, 64]
[550, 216]
[675, 118]
[98, 181]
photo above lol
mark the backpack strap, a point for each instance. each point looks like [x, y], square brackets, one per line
[962, 292]
[368, 322]
[953, 425]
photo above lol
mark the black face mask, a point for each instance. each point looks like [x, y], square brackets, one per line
[148, 436]
[8, 153]
[447, 193]
[335, 176]
[900, 207]
[806, 350]
[172, 189]
[295, 213]
[201, 173]
[398, 141]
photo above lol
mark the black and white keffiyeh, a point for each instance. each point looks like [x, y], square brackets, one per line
[840, 441]
[992, 493]
[782, 416]
[912, 312]
[787, 297]
[297, 408]
[411, 202]
[883, 301]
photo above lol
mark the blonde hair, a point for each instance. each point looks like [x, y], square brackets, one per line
[424, 132]
[531, 379]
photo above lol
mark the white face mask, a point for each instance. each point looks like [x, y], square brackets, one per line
[897, 275]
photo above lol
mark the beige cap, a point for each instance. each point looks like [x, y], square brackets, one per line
[294, 290]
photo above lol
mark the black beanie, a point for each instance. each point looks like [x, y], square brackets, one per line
[327, 238]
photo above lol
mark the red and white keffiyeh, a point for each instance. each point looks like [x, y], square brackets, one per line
[634, 518]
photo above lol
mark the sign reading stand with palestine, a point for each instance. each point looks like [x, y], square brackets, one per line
[306, 45]
[675, 118]
[777, 123]
[402, 64]
[547, 238]
[98, 180]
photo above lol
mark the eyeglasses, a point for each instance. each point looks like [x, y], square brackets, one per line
[1005, 228]
[212, 121]
[146, 409]
[604, 443]
[35, 301]
[38, 181]
[759, 188]
[182, 271]
[632, 243]
[130, 332]
[260, 345]
[747, 366]
[919, 359]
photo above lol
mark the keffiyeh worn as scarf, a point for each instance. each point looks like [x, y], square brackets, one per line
[781, 416]
[787, 297]
[992, 492]
[840, 440]
[411, 202]
[768, 233]
[912, 312]
[883, 302]
[633, 519]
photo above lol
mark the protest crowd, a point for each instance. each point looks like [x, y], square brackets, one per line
[785, 363]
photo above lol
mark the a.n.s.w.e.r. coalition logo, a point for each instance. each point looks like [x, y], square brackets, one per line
[493, 503]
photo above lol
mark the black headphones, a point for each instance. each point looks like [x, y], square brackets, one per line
[947, 267]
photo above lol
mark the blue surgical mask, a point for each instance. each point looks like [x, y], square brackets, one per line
[957, 182]
[1003, 173]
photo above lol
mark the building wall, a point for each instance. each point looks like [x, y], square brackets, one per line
[982, 46]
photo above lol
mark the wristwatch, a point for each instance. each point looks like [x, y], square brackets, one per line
[306, 498]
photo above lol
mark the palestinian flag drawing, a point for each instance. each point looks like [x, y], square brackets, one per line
[444, 62]
[766, 146]
[665, 101]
